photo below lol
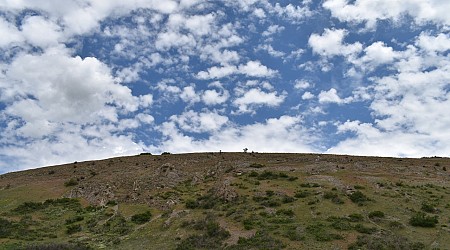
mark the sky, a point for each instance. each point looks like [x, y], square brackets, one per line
[93, 79]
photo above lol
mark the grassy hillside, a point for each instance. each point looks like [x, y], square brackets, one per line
[229, 201]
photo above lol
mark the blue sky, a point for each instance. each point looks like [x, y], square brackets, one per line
[89, 79]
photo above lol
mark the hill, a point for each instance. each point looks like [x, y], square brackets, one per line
[229, 201]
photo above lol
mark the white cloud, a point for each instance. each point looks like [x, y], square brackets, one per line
[283, 134]
[378, 53]
[403, 104]
[292, 12]
[272, 29]
[214, 97]
[439, 43]
[41, 32]
[259, 13]
[217, 72]
[256, 69]
[255, 98]
[302, 84]
[371, 11]
[331, 43]
[307, 96]
[192, 121]
[271, 51]
[13, 34]
[251, 69]
[331, 96]
[61, 108]
[189, 95]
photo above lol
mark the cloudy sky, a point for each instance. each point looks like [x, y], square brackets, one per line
[91, 79]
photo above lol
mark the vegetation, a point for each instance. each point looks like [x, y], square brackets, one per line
[421, 219]
[229, 201]
[141, 218]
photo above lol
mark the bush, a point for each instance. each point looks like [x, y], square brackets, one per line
[71, 182]
[74, 228]
[261, 240]
[74, 219]
[287, 199]
[28, 207]
[141, 218]
[309, 185]
[420, 219]
[191, 204]
[356, 217]
[253, 174]
[256, 165]
[334, 197]
[6, 228]
[376, 215]
[427, 207]
[165, 153]
[211, 238]
[58, 246]
[358, 197]
[365, 230]
[287, 212]
[302, 194]
[321, 233]
[385, 241]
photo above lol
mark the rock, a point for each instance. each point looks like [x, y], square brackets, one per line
[225, 191]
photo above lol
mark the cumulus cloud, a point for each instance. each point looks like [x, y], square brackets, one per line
[54, 101]
[14, 35]
[331, 43]
[308, 96]
[192, 121]
[403, 105]
[370, 12]
[256, 97]
[251, 69]
[331, 96]
[214, 97]
[283, 134]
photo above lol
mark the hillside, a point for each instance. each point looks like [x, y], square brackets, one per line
[229, 201]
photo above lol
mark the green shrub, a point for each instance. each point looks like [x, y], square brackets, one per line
[141, 218]
[287, 199]
[309, 185]
[330, 195]
[212, 236]
[165, 153]
[427, 207]
[385, 241]
[191, 204]
[261, 240]
[365, 230]
[396, 225]
[376, 215]
[340, 223]
[320, 232]
[71, 182]
[73, 228]
[58, 246]
[253, 174]
[74, 219]
[358, 197]
[28, 207]
[256, 165]
[287, 212]
[420, 219]
[302, 194]
[356, 217]
[7, 228]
